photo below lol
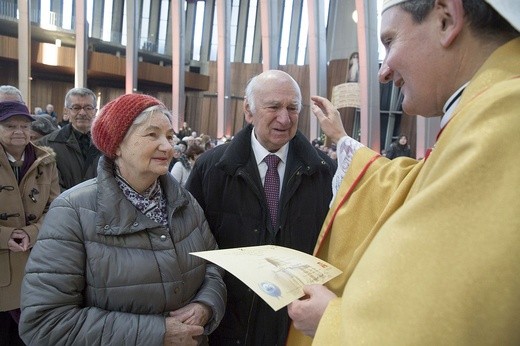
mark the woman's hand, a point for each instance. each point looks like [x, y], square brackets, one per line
[196, 314]
[186, 323]
[178, 333]
[306, 312]
[19, 241]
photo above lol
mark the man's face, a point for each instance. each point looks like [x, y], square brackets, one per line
[414, 61]
[275, 117]
[81, 111]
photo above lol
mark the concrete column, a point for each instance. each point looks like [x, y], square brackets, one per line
[292, 51]
[178, 96]
[24, 51]
[81, 53]
[256, 57]
[224, 126]
[241, 31]
[341, 30]
[209, 10]
[270, 34]
[368, 73]
[317, 48]
[155, 19]
[98, 10]
[189, 31]
[131, 46]
[117, 21]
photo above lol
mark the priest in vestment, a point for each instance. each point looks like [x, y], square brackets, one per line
[429, 249]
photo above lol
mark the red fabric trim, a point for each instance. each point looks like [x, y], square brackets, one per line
[345, 198]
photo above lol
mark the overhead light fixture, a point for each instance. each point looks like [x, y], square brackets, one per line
[354, 16]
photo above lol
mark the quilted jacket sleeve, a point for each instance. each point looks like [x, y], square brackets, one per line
[53, 311]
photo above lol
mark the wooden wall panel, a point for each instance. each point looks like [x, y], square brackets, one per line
[206, 117]
[62, 58]
[211, 114]
[44, 92]
[8, 47]
[165, 97]
[193, 106]
[101, 64]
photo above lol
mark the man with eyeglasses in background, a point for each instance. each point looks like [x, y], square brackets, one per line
[76, 155]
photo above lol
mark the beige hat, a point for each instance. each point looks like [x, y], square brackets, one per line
[509, 9]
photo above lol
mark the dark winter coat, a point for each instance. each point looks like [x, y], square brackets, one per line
[396, 150]
[73, 167]
[226, 182]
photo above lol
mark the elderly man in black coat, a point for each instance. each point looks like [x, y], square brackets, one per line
[228, 182]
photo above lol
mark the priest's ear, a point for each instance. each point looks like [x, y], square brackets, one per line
[450, 17]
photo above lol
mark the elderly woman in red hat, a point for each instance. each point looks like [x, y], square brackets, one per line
[112, 265]
[28, 184]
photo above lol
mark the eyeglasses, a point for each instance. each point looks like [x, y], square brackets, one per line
[77, 108]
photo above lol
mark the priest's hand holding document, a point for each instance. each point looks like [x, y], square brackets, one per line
[277, 274]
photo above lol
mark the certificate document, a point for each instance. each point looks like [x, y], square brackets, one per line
[277, 274]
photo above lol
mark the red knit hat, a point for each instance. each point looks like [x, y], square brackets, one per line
[114, 119]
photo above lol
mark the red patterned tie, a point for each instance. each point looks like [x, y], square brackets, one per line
[272, 186]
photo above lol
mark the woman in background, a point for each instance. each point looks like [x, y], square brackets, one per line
[399, 148]
[182, 168]
[42, 126]
[28, 184]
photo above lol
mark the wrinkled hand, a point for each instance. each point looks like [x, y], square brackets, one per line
[306, 312]
[19, 241]
[329, 118]
[196, 314]
[178, 333]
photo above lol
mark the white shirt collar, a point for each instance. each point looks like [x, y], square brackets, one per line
[12, 159]
[451, 104]
[261, 152]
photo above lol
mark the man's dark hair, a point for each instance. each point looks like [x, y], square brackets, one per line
[193, 150]
[483, 18]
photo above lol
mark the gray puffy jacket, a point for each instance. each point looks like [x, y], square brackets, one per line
[103, 273]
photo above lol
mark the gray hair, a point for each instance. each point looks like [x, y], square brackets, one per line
[10, 90]
[256, 82]
[141, 118]
[82, 92]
